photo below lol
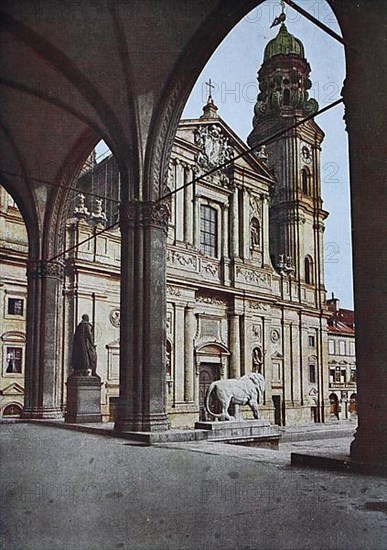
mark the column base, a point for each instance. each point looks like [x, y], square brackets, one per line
[369, 450]
[151, 423]
[42, 413]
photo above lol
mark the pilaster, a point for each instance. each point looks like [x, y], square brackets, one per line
[265, 231]
[179, 202]
[188, 205]
[235, 359]
[234, 224]
[189, 335]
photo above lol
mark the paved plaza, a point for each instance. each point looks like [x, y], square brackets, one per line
[65, 490]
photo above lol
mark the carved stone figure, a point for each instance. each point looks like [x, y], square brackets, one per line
[254, 233]
[257, 360]
[246, 390]
[84, 356]
[80, 210]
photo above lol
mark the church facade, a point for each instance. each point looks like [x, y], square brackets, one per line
[245, 257]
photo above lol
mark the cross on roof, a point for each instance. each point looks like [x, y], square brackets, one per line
[209, 88]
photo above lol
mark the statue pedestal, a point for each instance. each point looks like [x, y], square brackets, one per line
[254, 433]
[83, 398]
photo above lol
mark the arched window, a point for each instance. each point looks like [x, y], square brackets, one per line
[286, 96]
[308, 270]
[255, 233]
[12, 410]
[305, 181]
[353, 404]
[334, 402]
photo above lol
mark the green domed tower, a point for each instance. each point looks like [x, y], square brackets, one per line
[296, 214]
[283, 83]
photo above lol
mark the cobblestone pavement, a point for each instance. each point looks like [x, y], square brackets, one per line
[65, 490]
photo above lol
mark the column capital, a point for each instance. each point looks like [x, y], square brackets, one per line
[144, 213]
[45, 268]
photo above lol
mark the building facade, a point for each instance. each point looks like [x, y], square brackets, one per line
[341, 362]
[13, 300]
[245, 281]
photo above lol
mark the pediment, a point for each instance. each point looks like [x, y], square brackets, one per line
[219, 143]
[13, 389]
[113, 345]
[13, 336]
[277, 355]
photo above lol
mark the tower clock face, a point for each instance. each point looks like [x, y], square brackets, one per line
[306, 153]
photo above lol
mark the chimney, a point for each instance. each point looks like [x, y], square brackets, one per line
[333, 304]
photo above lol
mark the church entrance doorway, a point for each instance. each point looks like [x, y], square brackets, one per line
[208, 373]
[277, 409]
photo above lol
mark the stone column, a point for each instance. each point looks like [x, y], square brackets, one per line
[189, 335]
[44, 320]
[142, 401]
[364, 90]
[235, 359]
[188, 205]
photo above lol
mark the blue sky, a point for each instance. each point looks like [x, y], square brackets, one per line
[233, 70]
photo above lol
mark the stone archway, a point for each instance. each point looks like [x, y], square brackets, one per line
[159, 95]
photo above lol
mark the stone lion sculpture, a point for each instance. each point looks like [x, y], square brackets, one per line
[246, 390]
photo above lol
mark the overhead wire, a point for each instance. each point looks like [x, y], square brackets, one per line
[55, 184]
[219, 167]
[252, 149]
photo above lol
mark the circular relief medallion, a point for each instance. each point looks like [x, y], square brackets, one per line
[114, 317]
[274, 336]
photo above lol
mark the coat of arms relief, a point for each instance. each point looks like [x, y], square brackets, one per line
[215, 150]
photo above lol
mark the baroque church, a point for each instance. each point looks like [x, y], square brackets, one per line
[245, 259]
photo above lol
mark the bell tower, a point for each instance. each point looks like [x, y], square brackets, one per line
[296, 213]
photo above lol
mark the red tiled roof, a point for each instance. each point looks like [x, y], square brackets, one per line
[342, 322]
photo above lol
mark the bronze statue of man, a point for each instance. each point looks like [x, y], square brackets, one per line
[84, 356]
